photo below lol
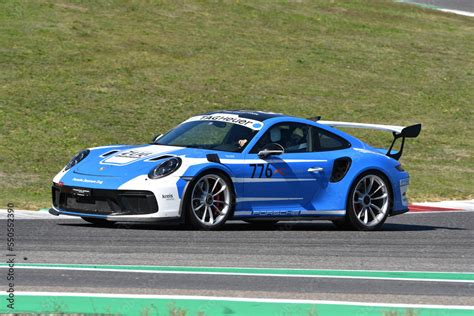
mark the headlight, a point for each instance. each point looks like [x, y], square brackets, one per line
[165, 168]
[77, 158]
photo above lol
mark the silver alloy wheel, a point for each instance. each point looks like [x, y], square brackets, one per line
[370, 200]
[210, 199]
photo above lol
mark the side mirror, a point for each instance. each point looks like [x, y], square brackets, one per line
[156, 137]
[269, 152]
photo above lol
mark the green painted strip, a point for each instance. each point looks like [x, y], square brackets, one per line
[256, 271]
[152, 306]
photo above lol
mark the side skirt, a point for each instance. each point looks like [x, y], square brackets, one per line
[287, 219]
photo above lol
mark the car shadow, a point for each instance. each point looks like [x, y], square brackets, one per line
[242, 226]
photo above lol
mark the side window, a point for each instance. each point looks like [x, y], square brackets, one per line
[293, 137]
[325, 141]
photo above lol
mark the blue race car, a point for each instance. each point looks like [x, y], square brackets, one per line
[254, 166]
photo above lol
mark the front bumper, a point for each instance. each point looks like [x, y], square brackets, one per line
[80, 201]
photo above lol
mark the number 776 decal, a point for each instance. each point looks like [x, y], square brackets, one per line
[261, 167]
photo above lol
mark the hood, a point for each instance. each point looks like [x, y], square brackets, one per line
[125, 161]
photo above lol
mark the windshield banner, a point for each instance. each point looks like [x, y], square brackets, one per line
[228, 118]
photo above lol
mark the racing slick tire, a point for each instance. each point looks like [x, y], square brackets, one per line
[368, 203]
[210, 201]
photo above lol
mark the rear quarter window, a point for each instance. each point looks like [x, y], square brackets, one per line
[325, 141]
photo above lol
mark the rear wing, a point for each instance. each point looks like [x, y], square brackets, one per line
[402, 132]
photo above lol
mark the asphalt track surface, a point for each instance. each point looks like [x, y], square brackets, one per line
[412, 242]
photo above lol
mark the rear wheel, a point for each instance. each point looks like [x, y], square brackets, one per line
[368, 203]
[211, 200]
[98, 221]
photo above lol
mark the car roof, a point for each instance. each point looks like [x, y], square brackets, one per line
[249, 114]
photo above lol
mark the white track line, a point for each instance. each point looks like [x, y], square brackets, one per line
[239, 299]
[264, 268]
[460, 12]
[245, 274]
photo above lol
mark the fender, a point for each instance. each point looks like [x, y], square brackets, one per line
[188, 179]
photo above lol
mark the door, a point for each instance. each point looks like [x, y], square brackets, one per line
[284, 184]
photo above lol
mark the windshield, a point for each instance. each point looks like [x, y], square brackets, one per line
[215, 135]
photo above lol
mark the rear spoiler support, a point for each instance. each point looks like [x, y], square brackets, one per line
[411, 131]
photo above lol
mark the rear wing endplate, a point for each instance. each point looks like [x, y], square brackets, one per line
[402, 132]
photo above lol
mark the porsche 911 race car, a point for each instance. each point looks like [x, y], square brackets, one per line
[255, 166]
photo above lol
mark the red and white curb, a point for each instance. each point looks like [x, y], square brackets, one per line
[442, 207]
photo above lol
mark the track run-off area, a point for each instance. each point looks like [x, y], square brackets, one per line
[421, 263]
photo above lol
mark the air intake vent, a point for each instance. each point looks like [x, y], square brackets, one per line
[109, 153]
[340, 168]
[161, 157]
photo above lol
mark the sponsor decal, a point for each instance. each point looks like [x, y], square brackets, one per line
[126, 157]
[81, 192]
[134, 154]
[167, 196]
[280, 171]
[229, 118]
[277, 213]
[87, 180]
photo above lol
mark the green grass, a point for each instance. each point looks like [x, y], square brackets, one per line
[78, 74]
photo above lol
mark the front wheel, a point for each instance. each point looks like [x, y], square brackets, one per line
[368, 203]
[211, 201]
